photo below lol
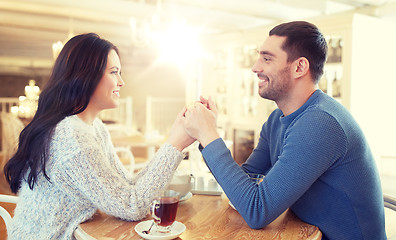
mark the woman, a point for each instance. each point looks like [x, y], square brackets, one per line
[65, 168]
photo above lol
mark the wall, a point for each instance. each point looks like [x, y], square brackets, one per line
[150, 78]
[373, 81]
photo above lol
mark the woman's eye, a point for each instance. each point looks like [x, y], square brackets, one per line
[114, 72]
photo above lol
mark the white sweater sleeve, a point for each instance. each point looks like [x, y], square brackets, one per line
[89, 171]
[86, 175]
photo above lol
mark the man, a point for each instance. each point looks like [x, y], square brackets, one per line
[314, 156]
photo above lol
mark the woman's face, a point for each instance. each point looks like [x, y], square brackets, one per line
[107, 93]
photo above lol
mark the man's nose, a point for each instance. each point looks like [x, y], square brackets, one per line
[256, 67]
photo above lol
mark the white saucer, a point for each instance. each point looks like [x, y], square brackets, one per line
[229, 202]
[186, 197]
[177, 229]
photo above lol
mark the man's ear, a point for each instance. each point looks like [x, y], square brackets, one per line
[301, 67]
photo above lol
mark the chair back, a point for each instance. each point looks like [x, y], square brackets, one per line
[4, 214]
[121, 115]
[11, 127]
[390, 216]
[126, 157]
[7, 103]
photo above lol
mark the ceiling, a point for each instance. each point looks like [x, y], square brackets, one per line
[28, 28]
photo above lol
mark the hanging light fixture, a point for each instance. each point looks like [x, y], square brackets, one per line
[140, 35]
[142, 30]
[57, 46]
[28, 103]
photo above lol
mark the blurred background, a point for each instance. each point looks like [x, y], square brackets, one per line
[172, 51]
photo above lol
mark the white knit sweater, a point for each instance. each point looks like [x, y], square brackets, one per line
[86, 175]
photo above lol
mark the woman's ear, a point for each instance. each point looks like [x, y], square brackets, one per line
[301, 67]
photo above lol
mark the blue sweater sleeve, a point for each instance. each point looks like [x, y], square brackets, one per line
[306, 154]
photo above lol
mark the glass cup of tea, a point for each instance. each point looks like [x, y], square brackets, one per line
[164, 209]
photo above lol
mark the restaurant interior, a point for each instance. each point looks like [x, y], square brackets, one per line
[173, 51]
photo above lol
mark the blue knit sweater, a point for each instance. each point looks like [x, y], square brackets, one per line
[317, 162]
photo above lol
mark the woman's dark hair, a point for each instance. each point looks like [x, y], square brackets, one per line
[75, 75]
[304, 39]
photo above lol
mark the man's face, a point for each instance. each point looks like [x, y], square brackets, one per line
[273, 70]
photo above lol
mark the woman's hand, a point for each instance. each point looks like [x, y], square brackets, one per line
[178, 137]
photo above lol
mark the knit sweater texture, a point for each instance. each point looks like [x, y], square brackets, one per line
[317, 162]
[86, 175]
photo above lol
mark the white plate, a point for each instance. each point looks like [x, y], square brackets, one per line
[177, 229]
[229, 202]
[207, 192]
[186, 197]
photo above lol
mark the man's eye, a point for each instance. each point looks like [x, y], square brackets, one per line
[114, 72]
[266, 59]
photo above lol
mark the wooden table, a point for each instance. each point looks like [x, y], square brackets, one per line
[207, 217]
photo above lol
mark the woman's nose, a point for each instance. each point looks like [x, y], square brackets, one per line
[120, 82]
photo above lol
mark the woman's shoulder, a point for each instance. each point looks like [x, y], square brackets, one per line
[67, 126]
[72, 130]
[63, 128]
[71, 138]
[64, 133]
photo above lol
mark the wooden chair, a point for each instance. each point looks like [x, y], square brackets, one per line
[126, 157]
[390, 216]
[11, 127]
[121, 115]
[6, 103]
[5, 215]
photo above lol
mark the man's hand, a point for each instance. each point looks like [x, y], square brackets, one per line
[200, 121]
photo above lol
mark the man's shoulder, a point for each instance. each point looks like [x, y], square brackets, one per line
[328, 107]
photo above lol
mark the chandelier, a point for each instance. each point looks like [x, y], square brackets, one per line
[143, 31]
[56, 49]
[28, 103]
[57, 46]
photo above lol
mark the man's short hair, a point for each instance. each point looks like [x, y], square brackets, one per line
[303, 39]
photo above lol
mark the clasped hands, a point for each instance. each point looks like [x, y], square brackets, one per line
[197, 122]
[200, 121]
